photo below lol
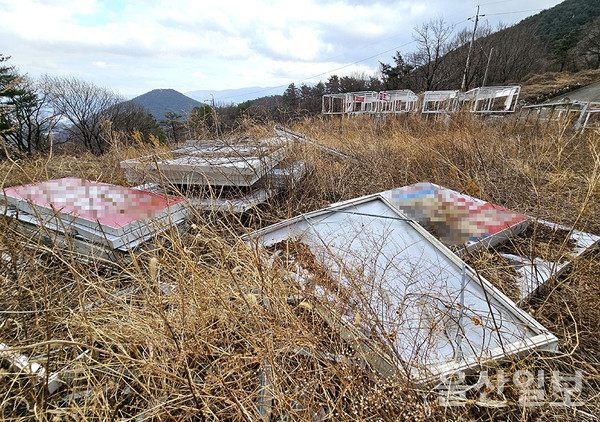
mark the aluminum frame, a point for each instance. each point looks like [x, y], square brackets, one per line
[439, 102]
[484, 100]
[402, 264]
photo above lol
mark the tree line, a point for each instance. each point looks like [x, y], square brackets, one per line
[60, 110]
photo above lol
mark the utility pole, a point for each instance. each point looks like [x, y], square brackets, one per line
[487, 67]
[464, 81]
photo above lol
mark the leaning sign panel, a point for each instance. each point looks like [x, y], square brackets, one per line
[414, 306]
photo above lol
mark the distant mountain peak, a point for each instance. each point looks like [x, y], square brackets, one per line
[163, 100]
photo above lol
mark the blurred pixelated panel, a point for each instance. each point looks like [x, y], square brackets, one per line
[417, 305]
[456, 219]
[217, 163]
[96, 210]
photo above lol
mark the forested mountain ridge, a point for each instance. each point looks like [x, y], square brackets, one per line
[159, 102]
[565, 37]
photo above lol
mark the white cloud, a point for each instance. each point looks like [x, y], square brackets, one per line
[144, 44]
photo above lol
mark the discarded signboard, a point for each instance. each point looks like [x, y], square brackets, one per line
[108, 214]
[370, 102]
[218, 163]
[533, 272]
[407, 302]
[439, 102]
[458, 220]
[284, 175]
[491, 99]
[464, 223]
[221, 175]
[582, 114]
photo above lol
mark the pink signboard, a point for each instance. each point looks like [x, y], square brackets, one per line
[456, 219]
[92, 203]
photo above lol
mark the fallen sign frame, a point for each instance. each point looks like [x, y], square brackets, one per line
[114, 215]
[439, 102]
[483, 100]
[461, 221]
[406, 301]
[534, 273]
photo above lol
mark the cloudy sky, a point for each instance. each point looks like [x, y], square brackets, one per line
[135, 46]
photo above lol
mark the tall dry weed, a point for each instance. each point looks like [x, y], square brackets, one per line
[199, 327]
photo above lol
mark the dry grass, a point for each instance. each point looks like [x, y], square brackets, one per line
[200, 352]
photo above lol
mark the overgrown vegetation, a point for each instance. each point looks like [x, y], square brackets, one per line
[207, 320]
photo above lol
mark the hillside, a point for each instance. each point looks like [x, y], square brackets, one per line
[555, 39]
[555, 86]
[564, 22]
[161, 101]
[564, 38]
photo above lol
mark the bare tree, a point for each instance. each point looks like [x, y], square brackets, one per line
[453, 65]
[432, 40]
[518, 51]
[85, 107]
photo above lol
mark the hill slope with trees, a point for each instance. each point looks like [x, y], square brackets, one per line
[159, 102]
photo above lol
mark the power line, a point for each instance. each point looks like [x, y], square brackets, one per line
[517, 11]
[326, 72]
[382, 52]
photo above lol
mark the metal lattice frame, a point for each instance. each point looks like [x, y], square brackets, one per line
[584, 115]
[370, 102]
[439, 102]
[398, 101]
[491, 99]
[483, 100]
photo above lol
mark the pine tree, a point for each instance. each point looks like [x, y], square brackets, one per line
[9, 90]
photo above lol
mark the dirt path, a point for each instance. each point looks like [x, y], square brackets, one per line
[587, 93]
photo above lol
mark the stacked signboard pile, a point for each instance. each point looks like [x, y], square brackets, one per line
[219, 174]
[92, 217]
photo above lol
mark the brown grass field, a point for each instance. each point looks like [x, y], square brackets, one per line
[199, 353]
